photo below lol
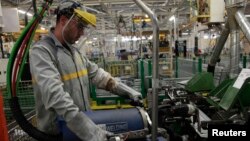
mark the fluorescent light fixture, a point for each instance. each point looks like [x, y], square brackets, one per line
[134, 38]
[184, 33]
[125, 39]
[89, 42]
[42, 28]
[23, 12]
[172, 18]
[146, 16]
[205, 36]
[247, 16]
[150, 37]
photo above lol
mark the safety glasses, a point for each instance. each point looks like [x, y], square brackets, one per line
[80, 24]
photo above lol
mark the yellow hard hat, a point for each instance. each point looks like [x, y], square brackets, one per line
[69, 7]
[85, 16]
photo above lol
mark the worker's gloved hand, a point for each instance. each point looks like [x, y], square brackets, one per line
[116, 137]
[104, 135]
[111, 84]
[125, 91]
[137, 100]
[86, 129]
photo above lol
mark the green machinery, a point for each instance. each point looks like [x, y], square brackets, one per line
[231, 93]
[202, 81]
[227, 95]
[127, 71]
[140, 72]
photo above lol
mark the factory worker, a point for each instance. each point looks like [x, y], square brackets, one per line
[61, 76]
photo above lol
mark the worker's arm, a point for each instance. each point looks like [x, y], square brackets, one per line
[54, 98]
[104, 80]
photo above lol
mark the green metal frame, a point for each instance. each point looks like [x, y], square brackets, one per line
[200, 64]
[142, 75]
[219, 92]
[232, 95]
[201, 82]
[150, 72]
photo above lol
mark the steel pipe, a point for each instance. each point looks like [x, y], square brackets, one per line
[234, 53]
[234, 42]
[243, 23]
[155, 76]
[218, 48]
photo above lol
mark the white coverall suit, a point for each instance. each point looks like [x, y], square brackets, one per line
[61, 86]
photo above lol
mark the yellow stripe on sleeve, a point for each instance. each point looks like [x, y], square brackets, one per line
[74, 75]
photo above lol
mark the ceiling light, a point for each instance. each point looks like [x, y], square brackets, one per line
[247, 16]
[185, 33]
[42, 28]
[172, 18]
[205, 36]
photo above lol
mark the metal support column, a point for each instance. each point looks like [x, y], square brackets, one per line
[142, 74]
[234, 41]
[155, 76]
[199, 64]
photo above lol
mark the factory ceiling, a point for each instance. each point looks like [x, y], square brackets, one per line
[110, 13]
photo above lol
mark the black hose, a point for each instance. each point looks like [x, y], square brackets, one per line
[16, 110]
[1, 45]
[34, 7]
[27, 126]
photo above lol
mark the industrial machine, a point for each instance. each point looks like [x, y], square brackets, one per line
[126, 124]
[189, 111]
[186, 113]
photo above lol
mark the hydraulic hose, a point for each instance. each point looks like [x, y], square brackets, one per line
[15, 67]
[24, 59]
[20, 56]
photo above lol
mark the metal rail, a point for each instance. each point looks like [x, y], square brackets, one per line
[155, 76]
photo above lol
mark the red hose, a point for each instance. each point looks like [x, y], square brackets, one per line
[19, 56]
[3, 124]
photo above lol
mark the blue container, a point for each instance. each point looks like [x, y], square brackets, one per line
[115, 121]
